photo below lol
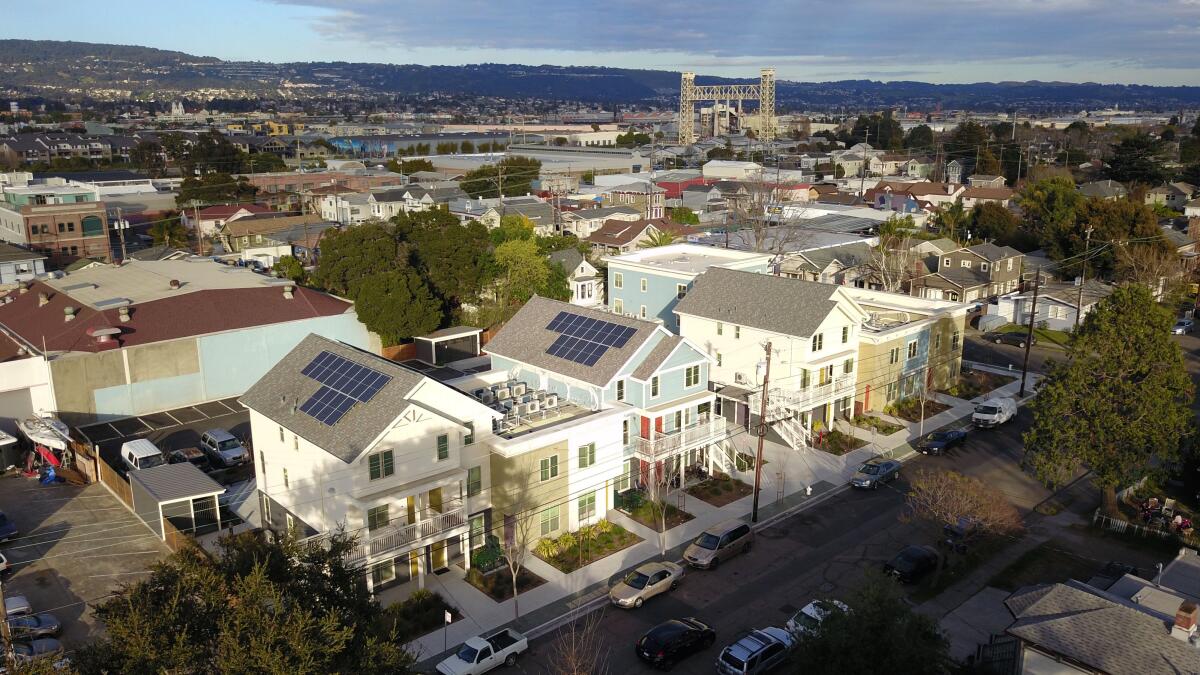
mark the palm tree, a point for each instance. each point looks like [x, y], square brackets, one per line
[658, 238]
[169, 232]
[952, 218]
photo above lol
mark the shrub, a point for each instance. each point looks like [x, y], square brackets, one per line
[486, 558]
[566, 541]
[546, 548]
[603, 526]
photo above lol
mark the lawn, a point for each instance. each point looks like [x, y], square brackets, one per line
[643, 510]
[1044, 564]
[573, 550]
[877, 424]
[1045, 336]
[498, 584]
[977, 383]
[720, 490]
[420, 613]
[910, 409]
[837, 443]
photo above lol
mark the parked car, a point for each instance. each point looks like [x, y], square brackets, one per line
[483, 653]
[193, 455]
[8, 529]
[758, 652]
[671, 641]
[939, 441]
[994, 412]
[17, 605]
[874, 472]
[223, 448]
[1183, 327]
[807, 620]
[1015, 339]
[5, 566]
[34, 626]
[912, 564]
[718, 544]
[32, 650]
[140, 453]
[645, 582]
[958, 537]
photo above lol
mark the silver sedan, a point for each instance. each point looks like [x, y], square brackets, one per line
[645, 582]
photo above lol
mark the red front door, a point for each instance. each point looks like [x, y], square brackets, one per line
[645, 427]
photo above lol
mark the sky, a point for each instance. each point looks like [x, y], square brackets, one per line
[944, 41]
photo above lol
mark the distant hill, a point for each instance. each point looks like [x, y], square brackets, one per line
[50, 68]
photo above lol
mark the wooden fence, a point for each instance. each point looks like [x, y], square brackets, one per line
[115, 483]
[1121, 526]
[174, 539]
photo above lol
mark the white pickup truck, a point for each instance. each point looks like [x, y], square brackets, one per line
[482, 653]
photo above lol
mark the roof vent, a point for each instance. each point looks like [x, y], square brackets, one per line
[69, 313]
[43, 299]
[289, 291]
[174, 283]
[123, 314]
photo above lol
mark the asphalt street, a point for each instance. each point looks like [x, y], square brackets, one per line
[819, 552]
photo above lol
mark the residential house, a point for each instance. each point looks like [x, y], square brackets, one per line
[981, 180]
[971, 273]
[913, 197]
[348, 439]
[1192, 208]
[1174, 195]
[346, 208]
[211, 219]
[675, 182]
[584, 222]
[648, 283]
[1104, 189]
[538, 212]
[847, 264]
[286, 189]
[301, 241]
[702, 198]
[65, 222]
[721, 169]
[957, 170]
[623, 236]
[250, 231]
[586, 289]
[647, 197]
[984, 195]
[1058, 304]
[18, 264]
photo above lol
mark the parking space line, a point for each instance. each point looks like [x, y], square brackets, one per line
[228, 407]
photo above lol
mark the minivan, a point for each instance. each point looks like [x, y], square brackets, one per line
[223, 448]
[718, 544]
[140, 454]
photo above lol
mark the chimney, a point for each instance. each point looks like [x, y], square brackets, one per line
[289, 291]
[43, 299]
[69, 313]
[174, 283]
[1185, 621]
[123, 313]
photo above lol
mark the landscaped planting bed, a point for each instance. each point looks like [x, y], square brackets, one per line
[573, 550]
[720, 490]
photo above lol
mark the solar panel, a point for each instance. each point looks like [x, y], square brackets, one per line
[585, 339]
[344, 383]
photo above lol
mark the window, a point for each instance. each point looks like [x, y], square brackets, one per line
[618, 280]
[818, 342]
[291, 522]
[737, 332]
[804, 378]
[643, 284]
[383, 572]
[476, 524]
[443, 447]
[845, 334]
[549, 521]
[469, 437]
[912, 349]
[587, 507]
[62, 227]
[381, 465]
[620, 390]
[966, 264]
[74, 250]
[624, 432]
[983, 267]
[295, 442]
[691, 376]
[893, 355]
[718, 358]
[1056, 312]
[280, 434]
[680, 291]
[1010, 260]
[954, 341]
[937, 341]
[286, 483]
[946, 262]
[549, 467]
[891, 391]
[618, 306]
[587, 455]
[474, 480]
[654, 386]
[848, 366]
[377, 517]
[642, 312]
[262, 460]
[720, 328]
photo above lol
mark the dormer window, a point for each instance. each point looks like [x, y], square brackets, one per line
[966, 264]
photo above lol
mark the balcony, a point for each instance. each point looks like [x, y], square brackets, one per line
[666, 444]
[836, 388]
[396, 538]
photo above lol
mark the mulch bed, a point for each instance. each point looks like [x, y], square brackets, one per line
[498, 584]
[720, 490]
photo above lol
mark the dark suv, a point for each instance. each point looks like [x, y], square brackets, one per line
[672, 641]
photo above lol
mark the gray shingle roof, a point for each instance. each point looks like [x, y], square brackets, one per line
[763, 301]
[174, 482]
[1099, 632]
[661, 352]
[992, 252]
[568, 259]
[280, 393]
[525, 338]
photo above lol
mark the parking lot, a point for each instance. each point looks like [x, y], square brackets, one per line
[76, 545]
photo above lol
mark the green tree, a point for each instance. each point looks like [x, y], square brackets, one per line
[881, 131]
[658, 238]
[1110, 220]
[1050, 207]
[513, 173]
[453, 257]
[215, 188]
[987, 164]
[148, 156]
[466, 147]
[1135, 160]
[588, 177]
[952, 219]
[1119, 404]
[1191, 174]
[261, 162]
[254, 607]
[212, 152]
[1196, 128]
[290, 267]
[170, 231]
[349, 256]
[913, 642]
[523, 270]
[683, 215]
[919, 137]
[994, 222]
[557, 285]
[408, 166]
[511, 227]
[966, 139]
[632, 139]
[720, 153]
[397, 305]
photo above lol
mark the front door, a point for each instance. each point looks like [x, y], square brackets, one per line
[437, 554]
[435, 500]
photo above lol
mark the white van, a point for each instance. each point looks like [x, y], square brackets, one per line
[140, 454]
[994, 412]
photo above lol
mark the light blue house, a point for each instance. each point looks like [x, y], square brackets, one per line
[18, 264]
[648, 283]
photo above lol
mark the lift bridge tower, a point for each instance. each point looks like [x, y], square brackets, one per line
[763, 92]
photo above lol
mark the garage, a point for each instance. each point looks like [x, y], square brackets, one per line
[176, 498]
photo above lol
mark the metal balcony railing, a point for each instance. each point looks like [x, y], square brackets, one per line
[665, 444]
[838, 387]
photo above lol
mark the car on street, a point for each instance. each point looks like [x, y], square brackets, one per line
[672, 641]
[645, 582]
[1015, 339]
[223, 448]
[29, 651]
[874, 472]
[481, 654]
[807, 620]
[34, 626]
[912, 564]
[1183, 327]
[759, 651]
[191, 455]
[17, 605]
[718, 544]
[8, 529]
[941, 441]
[993, 412]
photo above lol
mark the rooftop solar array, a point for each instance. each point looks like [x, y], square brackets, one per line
[585, 340]
[344, 383]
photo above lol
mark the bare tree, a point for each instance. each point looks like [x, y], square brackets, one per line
[765, 208]
[658, 495]
[520, 507]
[970, 506]
[1154, 265]
[579, 648]
[516, 548]
[893, 261]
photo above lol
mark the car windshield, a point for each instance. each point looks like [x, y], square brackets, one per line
[152, 460]
[907, 560]
[23, 650]
[467, 653]
[231, 444]
[637, 580]
[869, 469]
[987, 410]
[939, 435]
[708, 541]
[731, 660]
[807, 621]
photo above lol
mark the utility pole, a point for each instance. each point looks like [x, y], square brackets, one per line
[1082, 276]
[762, 436]
[1037, 284]
[121, 236]
[866, 162]
[10, 658]
[196, 227]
